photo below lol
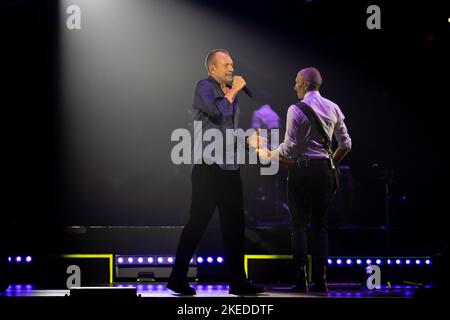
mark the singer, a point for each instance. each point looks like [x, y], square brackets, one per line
[215, 185]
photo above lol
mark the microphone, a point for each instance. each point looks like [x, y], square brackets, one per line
[245, 89]
[248, 91]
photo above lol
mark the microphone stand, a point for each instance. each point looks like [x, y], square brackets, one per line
[387, 176]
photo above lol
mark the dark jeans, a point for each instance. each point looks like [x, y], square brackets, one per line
[310, 191]
[214, 188]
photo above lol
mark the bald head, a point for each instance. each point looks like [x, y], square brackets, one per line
[312, 76]
[308, 79]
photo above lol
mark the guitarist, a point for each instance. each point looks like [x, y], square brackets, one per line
[311, 124]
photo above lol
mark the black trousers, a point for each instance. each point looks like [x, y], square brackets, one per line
[310, 191]
[214, 188]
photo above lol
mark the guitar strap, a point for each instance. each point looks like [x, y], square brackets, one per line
[326, 141]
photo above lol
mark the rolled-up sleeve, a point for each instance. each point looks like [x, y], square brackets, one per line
[289, 144]
[341, 133]
[209, 102]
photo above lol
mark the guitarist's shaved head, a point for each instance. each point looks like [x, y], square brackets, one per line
[312, 76]
[308, 79]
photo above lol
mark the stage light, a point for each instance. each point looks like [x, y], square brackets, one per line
[140, 260]
[368, 261]
[339, 261]
[150, 260]
[210, 259]
[358, 261]
[408, 261]
[170, 259]
[398, 261]
[219, 259]
[160, 260]
[200, 260]
[448, 20]
[120, 260]
[389, 261]
[349, 261]
[378, 261]
[18, 259]
[418, 261]
[130, 260]
[28, 259]
[428, 261]
[9, 259]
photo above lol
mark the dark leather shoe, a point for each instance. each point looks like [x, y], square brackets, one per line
[300, 287]
[301, 281]
[244, 288]
[320, 276]
[180, 286]
[320, 286]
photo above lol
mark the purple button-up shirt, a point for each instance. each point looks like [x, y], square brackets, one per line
[300, 142]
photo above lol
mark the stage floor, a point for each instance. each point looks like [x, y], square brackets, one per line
[349, 291]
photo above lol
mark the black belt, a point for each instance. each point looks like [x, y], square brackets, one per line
[303, 163]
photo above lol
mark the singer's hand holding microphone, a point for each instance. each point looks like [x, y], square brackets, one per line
[240, 84]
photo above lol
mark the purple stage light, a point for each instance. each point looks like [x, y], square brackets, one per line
[150, 260]
[339, 261]
[378, 261]
[408, 261]
[398, 261]
[28, 259]
[210, 259]
[18, 259]
[330, 261]
[389, 261]
[140, 259]
[219, 259]
[160, 260]
[200, 260]
[349, 261]
[358, 261]
[170, 259]
[9, 259]
[120, 260]
[418, 261]
[428, 262]
[130, 260]
[368, 261]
